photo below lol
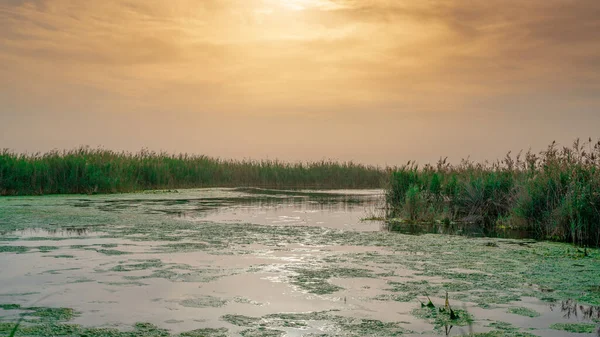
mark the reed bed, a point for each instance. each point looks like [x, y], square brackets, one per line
[85, 170]
[555, 194]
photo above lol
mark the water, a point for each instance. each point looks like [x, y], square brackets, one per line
[190, 259]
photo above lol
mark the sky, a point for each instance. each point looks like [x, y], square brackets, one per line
[374, 81]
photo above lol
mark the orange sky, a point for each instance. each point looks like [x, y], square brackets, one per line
[375, 81]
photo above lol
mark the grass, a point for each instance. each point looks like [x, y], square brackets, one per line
[554, 194]
[87, 171]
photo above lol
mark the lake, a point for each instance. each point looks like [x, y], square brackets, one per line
[259, 262]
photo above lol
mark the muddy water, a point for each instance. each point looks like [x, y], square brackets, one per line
[251, 262]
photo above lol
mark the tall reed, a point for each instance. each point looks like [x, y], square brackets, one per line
[86, 170]
[555, 193]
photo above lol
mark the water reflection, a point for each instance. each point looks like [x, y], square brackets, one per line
[466, 229]
[570, 308]
[54, 232]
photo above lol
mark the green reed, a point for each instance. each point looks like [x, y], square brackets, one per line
[86, 170]
[555, 193]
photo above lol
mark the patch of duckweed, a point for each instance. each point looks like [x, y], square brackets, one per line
[121, 284]
[184, 247]
[412, 289]
[315, 280]
[62, 256]
[395, 297]
[342, 326]
[207, 332]
[51, 314]
[502, 326]
[297, 319]
[46, 249]
[139, 330]
[240, 320]
[112, 252]
[522, 311]
[369, 327]
[141, 265]
[203, 302]
[262, 332]
[149, 329]
[575, 327]
[14, 249]
[45, 314]
[244, 300]
[502, 333]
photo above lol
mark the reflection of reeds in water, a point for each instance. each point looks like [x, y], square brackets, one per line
[570, 308]
[554, 194]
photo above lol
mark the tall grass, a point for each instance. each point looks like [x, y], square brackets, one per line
[555, 193]
[86, 170]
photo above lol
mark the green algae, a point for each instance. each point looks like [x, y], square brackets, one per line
[502, 326]
[184, 247]
[62, 256]
[575, 327]
[206, 332]
[46, 249]
[244, 300]
[203, 302]
[369, 327]
[315, 280]
[240, 320]
[14, 249]
[112, 252]
[262, 332]
[141, 265]
[44, 314]
[498, 274]
[502, 333]
[523, 312]
[443, 318]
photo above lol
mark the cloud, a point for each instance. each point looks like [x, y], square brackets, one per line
[380, 62]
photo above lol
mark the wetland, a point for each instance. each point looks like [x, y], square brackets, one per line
[264, 262]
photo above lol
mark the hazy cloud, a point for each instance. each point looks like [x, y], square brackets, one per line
[392, 66]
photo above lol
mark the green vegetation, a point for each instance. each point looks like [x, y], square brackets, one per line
[523, 312]
[552, 195]
[86, 170]
[575, 327]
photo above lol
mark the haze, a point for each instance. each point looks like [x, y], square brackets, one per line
[374, 81]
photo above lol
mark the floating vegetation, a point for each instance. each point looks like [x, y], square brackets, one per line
[575, 327]
[13, 249]
[382, 266]
[203, 302]
[206, 332]
[315, 280]
[111, 252]
[141, 265]
[240, 320]
[262, 332]
[523, 312]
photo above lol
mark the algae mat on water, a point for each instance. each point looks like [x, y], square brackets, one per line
[114, 243]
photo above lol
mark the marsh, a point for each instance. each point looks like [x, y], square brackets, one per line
[256, 262]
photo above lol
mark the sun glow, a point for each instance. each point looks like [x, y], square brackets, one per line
[300, 5]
